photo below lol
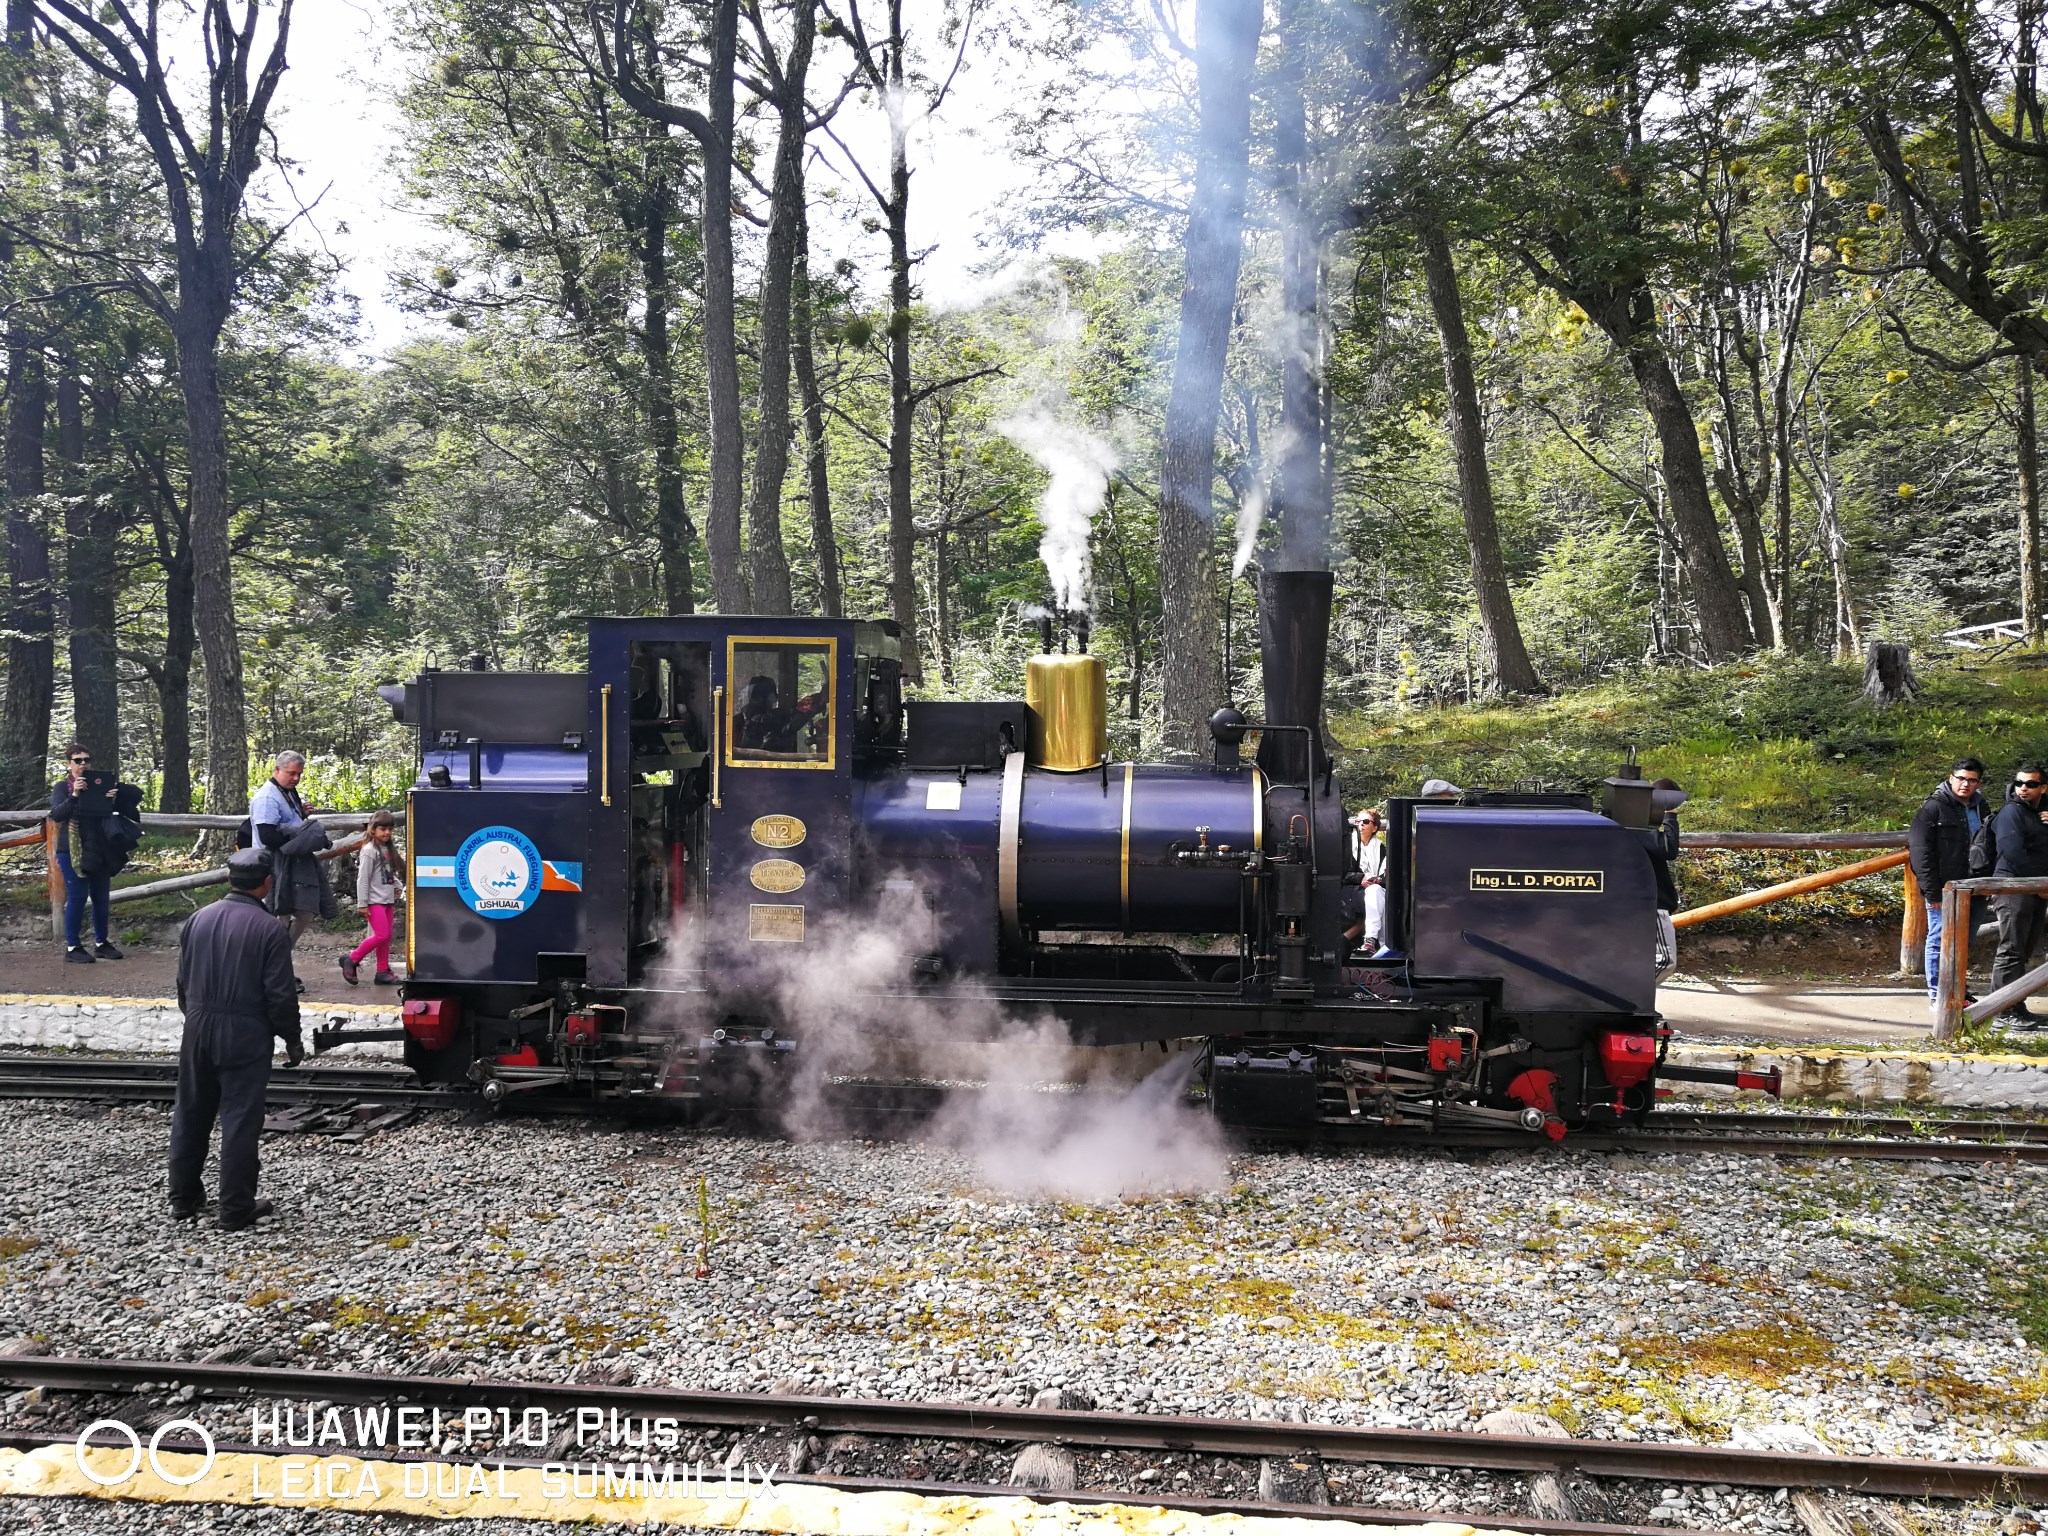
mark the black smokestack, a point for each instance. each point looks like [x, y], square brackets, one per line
[1294, 645]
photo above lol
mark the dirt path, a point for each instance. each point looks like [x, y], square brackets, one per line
[1797, 1010]
[151, 970]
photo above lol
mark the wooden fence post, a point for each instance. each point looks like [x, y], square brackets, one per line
[1913, 930]
[1955, 960]
[52, 832]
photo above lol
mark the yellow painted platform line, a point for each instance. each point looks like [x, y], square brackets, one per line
[1880, 1053]
[585, 1494]
[50, 1000]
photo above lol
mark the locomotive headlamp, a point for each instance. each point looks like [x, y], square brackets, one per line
[439, 777]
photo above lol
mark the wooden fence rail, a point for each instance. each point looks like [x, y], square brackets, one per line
[40, 829]
[1799, 887]
[153, 821]
[1792, 840]
[1913, 926]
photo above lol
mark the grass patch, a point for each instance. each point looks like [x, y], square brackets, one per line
[1763, 1354]
[1946, 1279]
[13, 1245]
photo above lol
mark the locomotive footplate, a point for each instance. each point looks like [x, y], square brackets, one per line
[1139, 1014]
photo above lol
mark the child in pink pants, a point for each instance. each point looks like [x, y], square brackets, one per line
[380, 875]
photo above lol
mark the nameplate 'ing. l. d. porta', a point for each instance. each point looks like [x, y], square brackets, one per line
[1546, 880]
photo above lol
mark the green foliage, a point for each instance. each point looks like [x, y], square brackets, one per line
[1587, 610]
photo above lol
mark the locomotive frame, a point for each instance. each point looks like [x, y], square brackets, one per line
[597, 855]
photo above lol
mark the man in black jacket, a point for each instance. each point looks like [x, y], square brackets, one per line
[2023, 854]
[1938, 847]
[236, 991]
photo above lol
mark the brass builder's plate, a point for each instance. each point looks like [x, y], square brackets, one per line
[775, 924]
[778, 831]
[778, 875]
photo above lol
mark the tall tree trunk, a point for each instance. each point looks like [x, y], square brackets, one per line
[824, 543]
[1781, 504]
[942, 583]
[174, 680]
[721, 343]
[31, 659]
[213, 585]
[1754, 577]
[673, 529]
[1724, 628]
[1301, 483]
[1744, 489]
[1506, 655]
[902, 403]
[2026, 447]
[31, 665]
[1226, 45]
[767, 561]
[90, 524]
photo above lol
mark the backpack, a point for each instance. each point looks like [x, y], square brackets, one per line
[1984, 848]
[245, 834]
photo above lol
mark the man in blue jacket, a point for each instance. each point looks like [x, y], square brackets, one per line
[299, 893]
[235, 989]
[2022, 853]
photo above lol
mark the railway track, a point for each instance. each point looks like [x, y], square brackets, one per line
[877, 1107]
[1354, 1514]
[155, 1080]
[975, 1423]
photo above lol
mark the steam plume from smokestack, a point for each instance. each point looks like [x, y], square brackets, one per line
[1080, 464]
[1251, 516]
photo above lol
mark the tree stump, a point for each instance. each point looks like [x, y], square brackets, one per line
[1888, 674]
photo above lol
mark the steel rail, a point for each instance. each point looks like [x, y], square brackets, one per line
[1892, 1476]
[1356, 1514]
[1861, 1124]
[131, 1090]
[1460, 1138]
[1886, 1138]
[149, 1067]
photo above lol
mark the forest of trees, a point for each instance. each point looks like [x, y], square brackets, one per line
[1576, 338]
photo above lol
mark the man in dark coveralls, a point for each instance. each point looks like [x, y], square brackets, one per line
[236, 990]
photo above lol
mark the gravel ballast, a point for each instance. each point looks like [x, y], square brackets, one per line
[1886, 1309]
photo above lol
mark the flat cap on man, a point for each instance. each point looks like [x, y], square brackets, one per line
[248, 868]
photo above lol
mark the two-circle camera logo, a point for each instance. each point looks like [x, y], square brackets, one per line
[498, 872]
[136, 1452]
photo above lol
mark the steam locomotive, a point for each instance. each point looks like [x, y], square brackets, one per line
[614, 872]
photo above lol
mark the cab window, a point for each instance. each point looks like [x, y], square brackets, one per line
[780, 703]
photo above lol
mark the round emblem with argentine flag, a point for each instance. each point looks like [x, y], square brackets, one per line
[498, 872]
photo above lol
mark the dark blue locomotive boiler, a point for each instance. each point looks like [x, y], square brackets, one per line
[614, 871]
